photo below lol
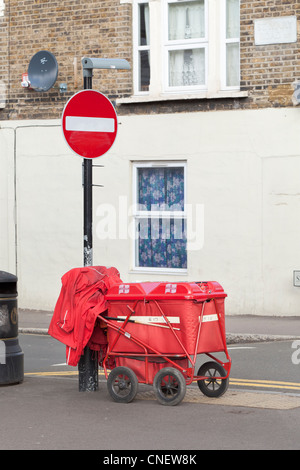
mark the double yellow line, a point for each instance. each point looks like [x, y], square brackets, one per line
[49, 374]
[239, 382]
[265, 384]
[64, 373]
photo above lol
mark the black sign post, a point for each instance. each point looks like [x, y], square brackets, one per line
[88, 363]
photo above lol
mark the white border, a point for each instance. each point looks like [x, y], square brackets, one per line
[62, 126]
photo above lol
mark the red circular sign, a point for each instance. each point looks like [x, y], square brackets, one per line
[89, 123]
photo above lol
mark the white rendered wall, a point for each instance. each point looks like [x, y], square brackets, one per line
[7, 202]
[242, 166]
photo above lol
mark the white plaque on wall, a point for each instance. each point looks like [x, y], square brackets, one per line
[279, 30]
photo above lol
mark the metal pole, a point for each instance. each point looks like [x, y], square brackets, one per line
[87, 212]
[88, 363]
[87, 193]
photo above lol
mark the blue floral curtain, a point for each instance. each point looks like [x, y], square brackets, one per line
[161, 186]
[162, 241]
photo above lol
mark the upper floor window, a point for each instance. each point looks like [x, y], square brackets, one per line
[232, 43]
[2, 7]
[186, 46]
[142, 41]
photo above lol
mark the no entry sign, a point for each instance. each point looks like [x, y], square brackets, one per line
[89, 123]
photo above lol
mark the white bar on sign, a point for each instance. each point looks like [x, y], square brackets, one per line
[89, 124]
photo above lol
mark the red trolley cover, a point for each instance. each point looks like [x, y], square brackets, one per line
[182, 303]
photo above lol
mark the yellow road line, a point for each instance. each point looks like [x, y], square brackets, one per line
[265, 381]
[265, 384]
[44, 374]
[232, 381]
[60, 373]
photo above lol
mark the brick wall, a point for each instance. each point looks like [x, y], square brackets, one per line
[71, 29]
[268, 72]
[4, 52]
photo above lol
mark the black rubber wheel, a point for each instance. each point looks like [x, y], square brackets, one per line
[213, 387]
[169, 386]
[122, 384]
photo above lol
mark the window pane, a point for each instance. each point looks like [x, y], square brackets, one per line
[161, 189]
[232, 19]
[186, 20]
[144, 78]
[162, 243]
[144, 32]
[232, 64]
[187, 67]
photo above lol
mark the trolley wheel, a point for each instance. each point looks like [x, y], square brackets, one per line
[122, 384]
[169, 386]
[212, 387]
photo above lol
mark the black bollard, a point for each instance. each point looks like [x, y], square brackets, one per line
[88, 371]
[11, 355]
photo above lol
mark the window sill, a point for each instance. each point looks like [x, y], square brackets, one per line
[182, 96]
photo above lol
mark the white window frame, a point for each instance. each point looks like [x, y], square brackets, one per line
[138, 214]
[2, 7]
[215, 56]
[137, 48]
[223, 55]
[169, 45]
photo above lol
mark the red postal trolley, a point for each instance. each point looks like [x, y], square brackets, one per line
[155, 332]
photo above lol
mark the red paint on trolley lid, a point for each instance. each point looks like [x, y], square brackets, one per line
[166, 290]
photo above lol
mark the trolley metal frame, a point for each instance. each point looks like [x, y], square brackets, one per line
[150, 352]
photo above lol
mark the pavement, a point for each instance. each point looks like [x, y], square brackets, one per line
[239, 328]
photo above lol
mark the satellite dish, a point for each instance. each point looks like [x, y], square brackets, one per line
[42, 71]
